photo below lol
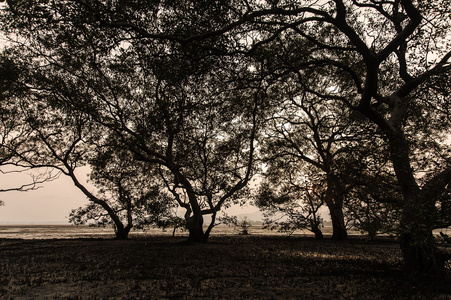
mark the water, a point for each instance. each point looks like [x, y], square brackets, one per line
[53, 232]
[74, 232]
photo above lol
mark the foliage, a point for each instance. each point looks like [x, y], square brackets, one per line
[131, 190]
[196, 123]
[374, 207]
[185, 86]
[244, 226]
[291, 206]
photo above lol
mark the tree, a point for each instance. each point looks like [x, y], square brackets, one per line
[62, 143]
[389, 78]
[381, 76]
[131, 190]
[211, 153]
[54, 137]
[373, 207]
[309, 133]
[163, 101]
[291, 207]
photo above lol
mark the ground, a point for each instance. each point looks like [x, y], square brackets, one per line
[227, 267]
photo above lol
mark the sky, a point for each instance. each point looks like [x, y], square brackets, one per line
[53, 201]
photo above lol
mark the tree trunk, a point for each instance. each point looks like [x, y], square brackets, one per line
[194, 224]
[193, 216]
[419, 251]
[334, 201]
[416, 240]
[122, 232]
[318, 233]
[336, 214]
[211, 225]
[339, 231]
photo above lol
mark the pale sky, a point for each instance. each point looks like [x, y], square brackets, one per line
[52, 203]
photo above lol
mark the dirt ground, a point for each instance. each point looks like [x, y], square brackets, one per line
[228, 267]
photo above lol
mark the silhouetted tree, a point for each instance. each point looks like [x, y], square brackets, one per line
[64, 143]
[130, 189]
[382, 77]
[309, 133]
[178, 108]
[13, 132]
[292, 206]
[390, 78]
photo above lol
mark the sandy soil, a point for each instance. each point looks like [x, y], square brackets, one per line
[228, 267]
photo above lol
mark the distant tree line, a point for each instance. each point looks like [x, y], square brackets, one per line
[342, 104]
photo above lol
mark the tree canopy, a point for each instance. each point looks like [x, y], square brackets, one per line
[187, 87]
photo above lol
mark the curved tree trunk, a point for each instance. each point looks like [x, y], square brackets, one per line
[122, 232]
[335, 205]
[211, 225]
[193, 216]
[194, 224]
[318, 233]
[339, 231]
[416, 240]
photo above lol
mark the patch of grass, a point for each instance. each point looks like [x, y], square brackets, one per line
[232, 267]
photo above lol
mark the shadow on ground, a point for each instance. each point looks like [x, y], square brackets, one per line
[229, 267]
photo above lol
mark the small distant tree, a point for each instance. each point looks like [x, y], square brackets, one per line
[244, 226]
[372, 217]
[373, 205]
[291, 206]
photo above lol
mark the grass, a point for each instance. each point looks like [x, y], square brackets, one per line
[229, 267]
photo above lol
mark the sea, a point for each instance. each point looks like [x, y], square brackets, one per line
[67, 232]
[85, 231]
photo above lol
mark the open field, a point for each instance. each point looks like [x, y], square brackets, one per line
[229, 267]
